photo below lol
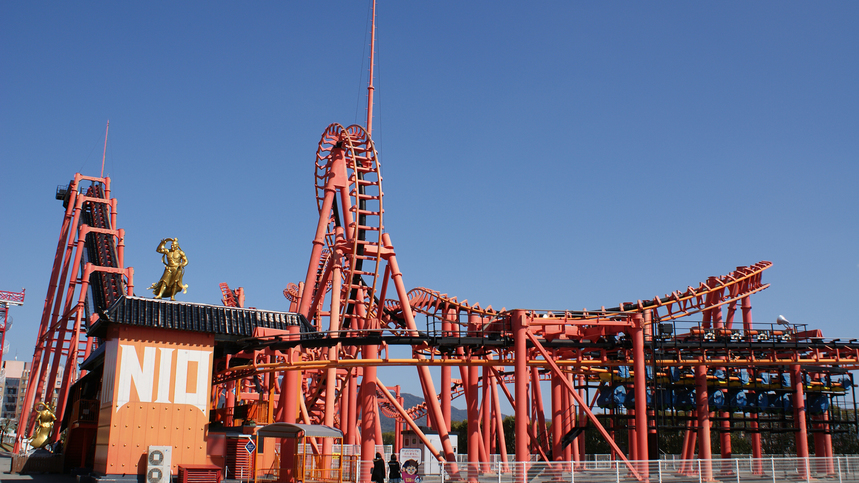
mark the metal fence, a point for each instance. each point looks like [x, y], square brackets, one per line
[764, 470]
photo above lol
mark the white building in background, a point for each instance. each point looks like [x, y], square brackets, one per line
[14, 376]
[428, 464]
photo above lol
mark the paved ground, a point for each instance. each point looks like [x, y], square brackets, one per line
[6, 465]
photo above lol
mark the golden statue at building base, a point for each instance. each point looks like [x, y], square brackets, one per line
[44, 425]
[174, 269]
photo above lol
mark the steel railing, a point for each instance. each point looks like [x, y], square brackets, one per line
[761, 470]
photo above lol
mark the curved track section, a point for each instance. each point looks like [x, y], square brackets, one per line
[716, 292]
[348, 170]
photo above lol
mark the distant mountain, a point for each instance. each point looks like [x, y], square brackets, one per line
[410, 400]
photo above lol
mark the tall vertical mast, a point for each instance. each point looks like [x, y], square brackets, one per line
[104, 154]
[370, 88]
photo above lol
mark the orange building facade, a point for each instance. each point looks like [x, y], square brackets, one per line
[156, 389]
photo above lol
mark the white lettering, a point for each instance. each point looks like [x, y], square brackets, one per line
[143, 376]
[130, 371]
[199, 397]
[164, 376]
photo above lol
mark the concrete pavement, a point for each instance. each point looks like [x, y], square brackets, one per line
[6, 465]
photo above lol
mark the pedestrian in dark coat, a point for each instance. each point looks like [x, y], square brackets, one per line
[378, 475]
[394, 475]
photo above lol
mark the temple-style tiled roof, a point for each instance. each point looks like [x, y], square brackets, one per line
[232, 322]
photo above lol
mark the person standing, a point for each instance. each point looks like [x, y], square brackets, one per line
[378, 475]
[394, 470]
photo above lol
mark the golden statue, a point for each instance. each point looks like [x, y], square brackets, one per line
[44, 425]
[174, 269]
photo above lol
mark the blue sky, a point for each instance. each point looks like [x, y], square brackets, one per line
[555, 155]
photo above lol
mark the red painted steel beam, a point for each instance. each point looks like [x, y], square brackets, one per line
[640, 394]
[581, 402]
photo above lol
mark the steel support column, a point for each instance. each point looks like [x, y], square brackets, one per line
[499, 421]
[447, 327]
[520, 349]
[703, 407]
[333, 351]
[433, 405]
[799, 416]
[757, 450]
[640, 378]
[688, 451]
[570, 421]
[291, 391]
[558, 412]
[827, 442]
[582, 420]
[473, 409]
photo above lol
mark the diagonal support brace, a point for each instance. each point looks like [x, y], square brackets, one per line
[581, 402]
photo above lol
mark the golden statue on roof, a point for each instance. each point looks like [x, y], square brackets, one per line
[174, 269]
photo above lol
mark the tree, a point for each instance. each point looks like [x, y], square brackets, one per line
[388, 438]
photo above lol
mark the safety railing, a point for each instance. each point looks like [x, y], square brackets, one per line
[763, 470]
[311, 468]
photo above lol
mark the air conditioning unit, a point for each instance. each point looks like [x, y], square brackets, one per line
[158, 464]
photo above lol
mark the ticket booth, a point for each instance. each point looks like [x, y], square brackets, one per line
[299, 457]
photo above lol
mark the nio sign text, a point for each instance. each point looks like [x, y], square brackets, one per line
[177, 369]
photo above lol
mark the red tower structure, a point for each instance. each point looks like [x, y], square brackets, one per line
[88, 267]
[7, 299]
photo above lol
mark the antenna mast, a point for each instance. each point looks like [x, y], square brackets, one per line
[104, 154]
[370, 88]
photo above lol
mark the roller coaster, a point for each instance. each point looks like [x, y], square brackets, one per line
[643, 363]
[691, 360]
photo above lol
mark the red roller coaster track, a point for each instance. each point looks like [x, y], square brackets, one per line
[354, 296]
